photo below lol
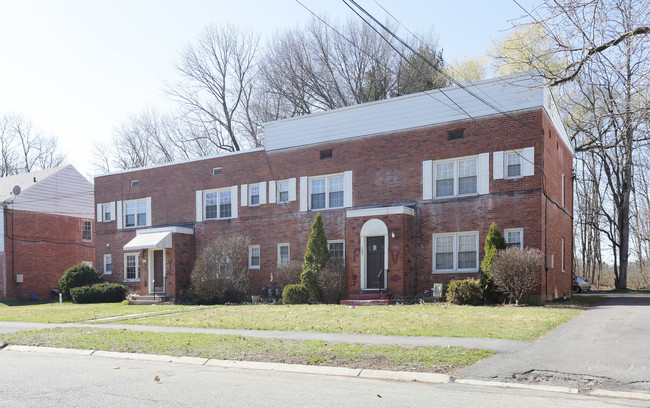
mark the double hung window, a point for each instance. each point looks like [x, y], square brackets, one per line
[455, 252]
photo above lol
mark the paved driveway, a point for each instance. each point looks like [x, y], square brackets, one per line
[607, 346]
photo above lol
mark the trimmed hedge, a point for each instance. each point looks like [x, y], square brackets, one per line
[76, 276]
[295, 295]
[99, 293]
[464, 292]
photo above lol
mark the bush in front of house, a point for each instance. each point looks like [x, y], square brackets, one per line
[517, 272]
[76, 276]
[288, 274]
[332, 281]
[494, 242]
[220, 273]
[464, 292]
[316, 256]
[99, 293]
[295, 295]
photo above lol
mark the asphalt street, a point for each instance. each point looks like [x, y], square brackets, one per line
[43, 379]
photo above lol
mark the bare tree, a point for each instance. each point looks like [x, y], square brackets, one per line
[23, 148]
[217, 74]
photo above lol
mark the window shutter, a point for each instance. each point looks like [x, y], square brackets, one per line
[347, 189]
[119, 215]
[483, 173]
[148, 206]
[528, 161]
[199, 205]
[233, 205]
[427, 180]
[292, 189]
[112, 207]
[273, 192]
[100, 212]
[263, 192]
[244, 195]
[497, 166]
[304, 195]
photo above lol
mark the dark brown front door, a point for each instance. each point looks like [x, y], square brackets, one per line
[158, 272]
[375, 263]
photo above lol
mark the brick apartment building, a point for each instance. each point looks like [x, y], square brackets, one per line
[46, 228]
[407, 188]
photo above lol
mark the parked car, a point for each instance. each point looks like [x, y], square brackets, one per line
[580, 284]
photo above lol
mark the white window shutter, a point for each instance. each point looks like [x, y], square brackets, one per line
[292, 189]
[199, 205]
[148, 206]
[304, 194]
[273, 192]
[497, 165]
[483, 173]
[233, 205]
[112, 207]
[263, 192]
[347, 189]
[244, 195]
[119, 215]
[427, 180]
[100, 212]
[528, 161]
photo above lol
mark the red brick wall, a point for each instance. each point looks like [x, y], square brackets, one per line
[387, 170]
[41, 247]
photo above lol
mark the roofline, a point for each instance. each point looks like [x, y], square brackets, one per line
[469, 85]
[155, 166]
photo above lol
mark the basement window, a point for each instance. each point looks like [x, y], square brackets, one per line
[456, 134]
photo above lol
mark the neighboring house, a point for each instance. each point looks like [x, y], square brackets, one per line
[46, 228]
[407, 188]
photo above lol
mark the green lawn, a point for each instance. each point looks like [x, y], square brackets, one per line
[517, 323]
[70, 312]
[399, 358]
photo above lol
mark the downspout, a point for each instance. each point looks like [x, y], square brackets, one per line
[4, 259]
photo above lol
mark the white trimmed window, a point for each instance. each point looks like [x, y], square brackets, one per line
[336, 248]
[254, 257]
[254, 198]
[135, 213]
[455, 252]
[513, 165]
[87, 231]
[514, 237]
[326, 192]
[108, 264]
[107, 211]
[283, 191]
[218, 204]
[456, 177]
[284, 254]
[131, 267]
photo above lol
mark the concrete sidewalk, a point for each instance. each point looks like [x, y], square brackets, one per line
[498, 345]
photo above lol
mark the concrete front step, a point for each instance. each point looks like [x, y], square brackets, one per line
[149, 300]
[370, 296]
[368, 302]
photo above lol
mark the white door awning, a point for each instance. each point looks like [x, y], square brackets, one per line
[161, 239]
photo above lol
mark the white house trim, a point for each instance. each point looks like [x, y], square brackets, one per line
[376, 212]
[373, 228]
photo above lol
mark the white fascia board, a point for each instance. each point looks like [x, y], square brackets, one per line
[551, 110]
[375, 212]
[172, 229]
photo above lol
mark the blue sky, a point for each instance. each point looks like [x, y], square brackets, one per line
[77, 68]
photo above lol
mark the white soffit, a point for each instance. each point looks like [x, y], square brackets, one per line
[375, 212]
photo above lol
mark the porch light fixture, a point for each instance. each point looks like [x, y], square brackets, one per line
[393, 234]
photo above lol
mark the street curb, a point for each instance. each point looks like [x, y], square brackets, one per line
[53, 350]
[287, 368]
[551, 388]
[620, 394]
[431, 378]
